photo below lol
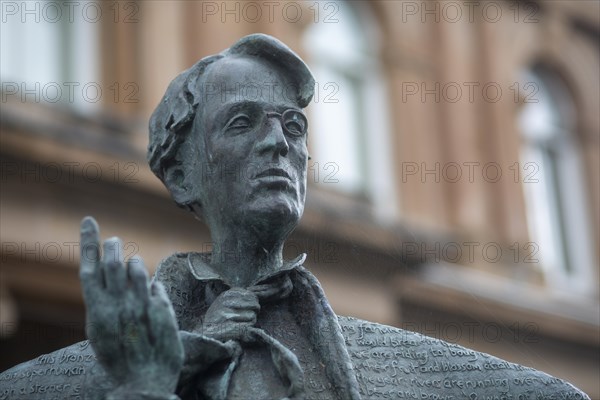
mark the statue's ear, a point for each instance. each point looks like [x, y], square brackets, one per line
[185, 194]
[174, 179]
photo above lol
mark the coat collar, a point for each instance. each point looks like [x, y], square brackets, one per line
[198, 264]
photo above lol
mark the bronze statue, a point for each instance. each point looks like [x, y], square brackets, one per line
[229, 141]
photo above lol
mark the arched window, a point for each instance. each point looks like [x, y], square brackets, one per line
[349, 119]
[49, 53]
[555, 191]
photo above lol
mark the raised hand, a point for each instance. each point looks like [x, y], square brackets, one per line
[130, 323]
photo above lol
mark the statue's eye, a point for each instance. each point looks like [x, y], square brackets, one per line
[294, 127]
[295, 122]
[238, 122]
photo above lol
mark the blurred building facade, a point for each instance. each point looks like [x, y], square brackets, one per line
[454, 186]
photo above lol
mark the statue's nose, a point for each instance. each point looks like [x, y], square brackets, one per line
[274, 138]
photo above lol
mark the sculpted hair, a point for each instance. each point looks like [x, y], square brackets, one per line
[172, 119]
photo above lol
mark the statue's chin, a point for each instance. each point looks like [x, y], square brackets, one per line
[277, 217]
[273, 217]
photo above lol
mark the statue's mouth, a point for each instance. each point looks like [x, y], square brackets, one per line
[273, 173]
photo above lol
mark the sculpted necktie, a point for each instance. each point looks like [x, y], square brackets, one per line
[275, 287]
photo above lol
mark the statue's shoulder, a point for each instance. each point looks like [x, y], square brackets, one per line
[395, 363]
[69, 373]
[173, 268]
[183, 289]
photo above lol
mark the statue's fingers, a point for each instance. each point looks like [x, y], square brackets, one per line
[236, 295]
[138, 278]
[115, 274]
[90, 271]
[164, 324]
[250, 303]
[160, 309]
[242, 300]
[158, 295]
[242, 316]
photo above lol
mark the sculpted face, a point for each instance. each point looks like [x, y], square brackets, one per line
[254, 141]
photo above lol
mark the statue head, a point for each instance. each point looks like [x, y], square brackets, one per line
[229, 137]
